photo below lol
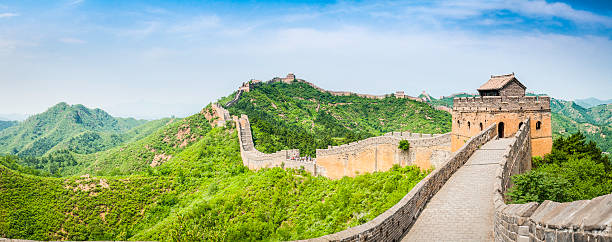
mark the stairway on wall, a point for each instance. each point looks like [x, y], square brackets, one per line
[463, 208]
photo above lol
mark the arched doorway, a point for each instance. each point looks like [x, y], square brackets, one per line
[500, 130]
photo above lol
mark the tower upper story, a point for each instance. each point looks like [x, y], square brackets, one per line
[504, 85]
[502, 93]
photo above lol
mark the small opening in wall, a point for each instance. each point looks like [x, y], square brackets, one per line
[538, 125]
[459, 123]
[469, 125]
[480, 126]
[520, 125]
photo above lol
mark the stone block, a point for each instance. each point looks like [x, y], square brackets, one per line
[564, 236]
[550, 235]
[523, 230]
[539, 232]
[522, 238]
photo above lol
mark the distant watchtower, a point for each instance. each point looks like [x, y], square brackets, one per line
[502, 100]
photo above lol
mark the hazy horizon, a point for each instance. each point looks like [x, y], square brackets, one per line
[151, 59]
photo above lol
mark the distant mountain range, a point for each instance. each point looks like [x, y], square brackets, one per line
[591, 102]
[73, 127]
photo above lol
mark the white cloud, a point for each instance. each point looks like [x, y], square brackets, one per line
[8, 15]
[72, 41]
[558, 9]
[196, 24]
[458, 10]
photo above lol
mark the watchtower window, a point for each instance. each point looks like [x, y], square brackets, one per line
[469, 125]
[459, 123]
[520, 125]
[538, 125]
[480, 126]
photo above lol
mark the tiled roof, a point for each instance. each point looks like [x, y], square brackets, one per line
[498, 82]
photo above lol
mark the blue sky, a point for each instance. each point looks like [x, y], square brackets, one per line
[157, 58]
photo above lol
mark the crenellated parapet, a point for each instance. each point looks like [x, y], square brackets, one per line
[506, 105]
[369, 155]
[501, 103]
[255, 160]
[584, 220]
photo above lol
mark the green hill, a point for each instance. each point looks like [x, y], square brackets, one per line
[595, 122]
[299, 116]
[202, 193]
[591, 102]
[6, 124]
[73, 127]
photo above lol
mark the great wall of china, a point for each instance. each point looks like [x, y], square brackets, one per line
[369, 155]
[589, 220]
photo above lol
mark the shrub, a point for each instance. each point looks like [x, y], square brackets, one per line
[404, 145]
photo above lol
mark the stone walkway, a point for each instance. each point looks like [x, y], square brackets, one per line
[463, 209]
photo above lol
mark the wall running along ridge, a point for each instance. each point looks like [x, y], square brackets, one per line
[585, 220]
[394, 223]
[369, 155]
[382, 152]
[247, 86]
[255, 160]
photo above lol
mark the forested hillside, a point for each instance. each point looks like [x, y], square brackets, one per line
[299, 116]
[6, 124]
[595, 122]
[202, 193]
[76, 128]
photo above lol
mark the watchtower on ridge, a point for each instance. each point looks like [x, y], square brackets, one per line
[502, 100]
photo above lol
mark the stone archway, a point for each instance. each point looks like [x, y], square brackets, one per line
[500, 130]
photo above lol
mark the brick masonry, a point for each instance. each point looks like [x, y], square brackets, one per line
[369, 155]
[394, 223]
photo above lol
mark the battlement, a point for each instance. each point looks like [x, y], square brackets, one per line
[247, 86]
[393, 138]
[501, 103]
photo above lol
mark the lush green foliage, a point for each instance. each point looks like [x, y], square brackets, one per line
[6, 124]
[78, 208]
[298, 116]
[574, 170]
[595, 122]
[154, 149]
[283, 205]
[76, 128]
[404, 145]
[202, 193]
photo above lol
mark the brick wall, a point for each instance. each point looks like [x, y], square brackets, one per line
[585, 220]
[512, 89]
[394, 223]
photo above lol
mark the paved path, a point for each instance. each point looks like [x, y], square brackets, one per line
[463, 209]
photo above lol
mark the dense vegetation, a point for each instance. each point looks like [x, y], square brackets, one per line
[299, 116]
[595, 122]
[75, 128]
[6, 124]
[202, 193]
[574, 170]
[152, 150]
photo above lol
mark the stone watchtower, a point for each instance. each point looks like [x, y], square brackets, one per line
[502, 100]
